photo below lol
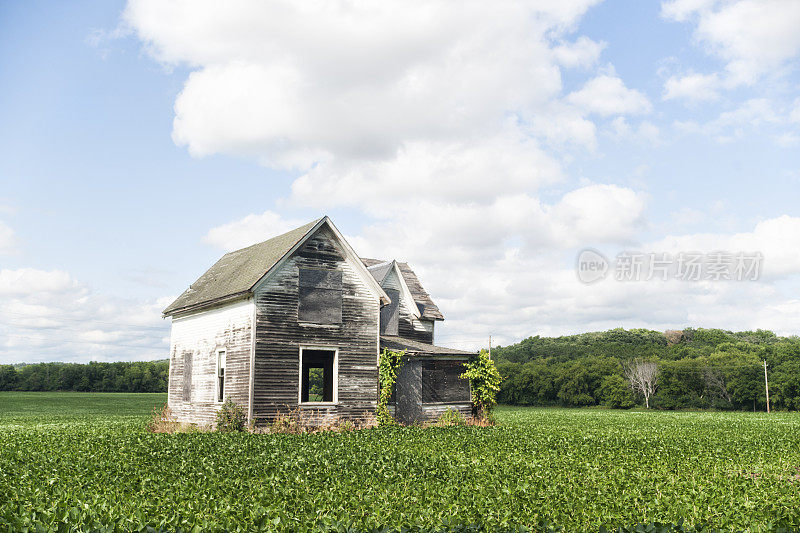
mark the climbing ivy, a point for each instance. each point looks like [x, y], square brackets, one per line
[388, 366]
[484, 380]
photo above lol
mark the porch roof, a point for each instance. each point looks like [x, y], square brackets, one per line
[413, 347]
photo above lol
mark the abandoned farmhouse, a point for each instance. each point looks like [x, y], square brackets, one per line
[298, 322]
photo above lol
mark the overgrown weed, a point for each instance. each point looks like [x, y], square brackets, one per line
[299, 421]
[163, 421]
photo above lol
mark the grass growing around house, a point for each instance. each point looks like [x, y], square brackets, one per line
[86, 461]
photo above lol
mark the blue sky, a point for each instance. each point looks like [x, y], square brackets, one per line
[485, 146]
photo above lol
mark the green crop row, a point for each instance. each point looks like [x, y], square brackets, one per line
[539, 468]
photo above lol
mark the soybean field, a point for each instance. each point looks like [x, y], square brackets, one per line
[85, 461]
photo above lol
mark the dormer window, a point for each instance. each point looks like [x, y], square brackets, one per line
[320, 299]
[390, 313]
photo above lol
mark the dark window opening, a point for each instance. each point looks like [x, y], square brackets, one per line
[390, 314]
[442, 382]
[320, 296]
[317, 378]
[221, 376]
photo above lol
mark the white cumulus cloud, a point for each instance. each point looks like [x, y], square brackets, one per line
[753, 37]
[250, 229]
[607, 95]
[447, 128]
[583, 52]
[295, 83]
[757, 115]
[48, 315]
[474, 170]
[774, 238]
[692, 87]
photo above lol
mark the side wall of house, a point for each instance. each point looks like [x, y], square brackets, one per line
[195, 341]
[428, 386]
[409, 326]
[279, 336]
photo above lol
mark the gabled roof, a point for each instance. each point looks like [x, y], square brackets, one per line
[413, 347]
[237, 272]
[423, 300]
[381, 270]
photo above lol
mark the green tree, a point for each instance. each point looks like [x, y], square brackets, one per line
[615, 392]
[9, 378]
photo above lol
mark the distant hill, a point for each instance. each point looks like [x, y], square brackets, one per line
[699, 368]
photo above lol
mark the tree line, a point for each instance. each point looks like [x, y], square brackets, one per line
[693, 368]
[144, 376]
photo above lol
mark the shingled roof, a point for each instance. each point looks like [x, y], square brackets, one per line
[236, 272]
[380, 270]
[423, 300]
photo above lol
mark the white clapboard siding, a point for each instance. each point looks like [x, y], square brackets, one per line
[194, 343]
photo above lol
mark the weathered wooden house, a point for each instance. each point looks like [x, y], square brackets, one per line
[298, 322]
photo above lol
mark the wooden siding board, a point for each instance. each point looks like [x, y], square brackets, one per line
[408, 392]
[431, 412]
[196, 339]
[279, 336]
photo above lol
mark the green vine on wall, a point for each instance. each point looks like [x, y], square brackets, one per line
[389, 364]
[484, 381]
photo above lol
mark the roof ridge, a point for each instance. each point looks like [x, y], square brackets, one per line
[310, 224]
[376, 265]
[236, 271]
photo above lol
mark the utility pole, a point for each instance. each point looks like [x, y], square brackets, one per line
[490, 347]
[766, 384]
